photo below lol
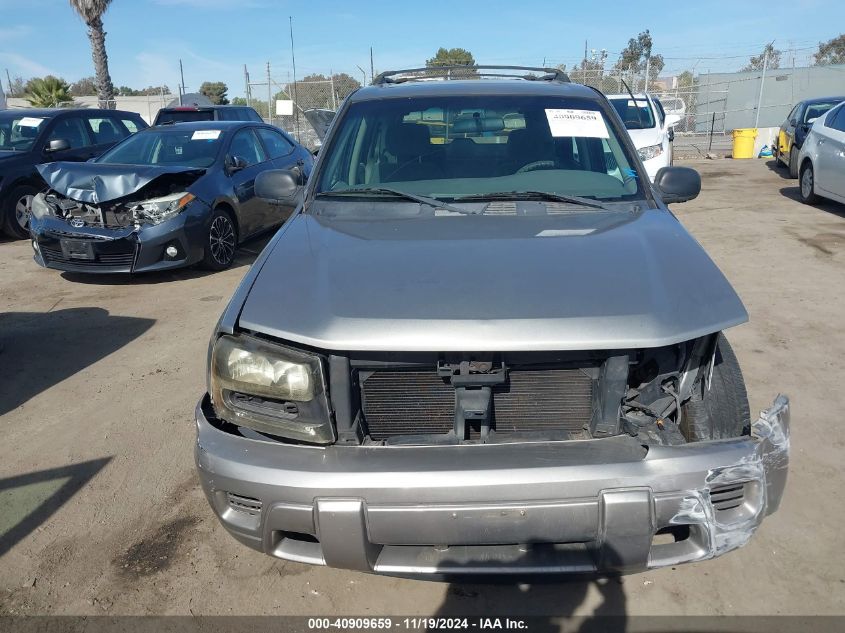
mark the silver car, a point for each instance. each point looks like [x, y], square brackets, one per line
[483, 344]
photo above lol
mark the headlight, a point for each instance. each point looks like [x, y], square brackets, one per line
[270, 388]
[652, 151]
[39, 208]
[157, 210]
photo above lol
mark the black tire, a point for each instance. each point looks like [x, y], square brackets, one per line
[221, 241]
[793, 162]
[807, 184]
[11, 220]
[722, 412]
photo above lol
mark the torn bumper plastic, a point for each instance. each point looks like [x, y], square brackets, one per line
[90, 249]
[602, 505]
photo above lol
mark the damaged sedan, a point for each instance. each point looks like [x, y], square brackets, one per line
[164, 198]
[500, 352]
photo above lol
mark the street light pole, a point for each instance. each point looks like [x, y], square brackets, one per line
[762, 81]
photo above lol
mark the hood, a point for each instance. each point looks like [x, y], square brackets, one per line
[645, 137]
[320, 120]
[478, 284]
[95, 183]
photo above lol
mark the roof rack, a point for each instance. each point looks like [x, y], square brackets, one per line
[437, 72]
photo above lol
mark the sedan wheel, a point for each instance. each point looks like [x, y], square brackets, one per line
[808, 184]
[222, 241]
[16, 209]
[23, 207]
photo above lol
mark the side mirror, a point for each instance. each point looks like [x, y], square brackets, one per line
[57, 145]
[235, 163]
[671, 134]
[793, 122]
[672, 120]
[677, 184]
[810, 121]
[278, 185]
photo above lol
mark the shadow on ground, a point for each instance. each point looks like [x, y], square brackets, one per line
[245, 256]
[834, 208]
[40, 349]
[29, 500]
[780, 169]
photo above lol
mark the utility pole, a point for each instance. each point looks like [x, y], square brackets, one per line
[246, 85]
[331, 80]
[647, 68]
[762, 81]
[8, 83]
[269, 96]
[182, 78]
[363, 74]
[295, 96]
[372, 68]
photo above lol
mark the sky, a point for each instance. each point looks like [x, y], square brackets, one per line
[216, 38]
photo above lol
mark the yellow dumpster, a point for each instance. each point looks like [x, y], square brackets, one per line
[744, 142]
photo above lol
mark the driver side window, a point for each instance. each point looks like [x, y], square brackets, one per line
[245, 145]
[71, 129]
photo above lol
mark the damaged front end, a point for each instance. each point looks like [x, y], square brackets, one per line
[117, 220]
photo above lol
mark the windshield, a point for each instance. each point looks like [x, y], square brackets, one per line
[174, 146]
[18, 132]
[175, 116]
[453, 148]
[815, 110]
[635, 115]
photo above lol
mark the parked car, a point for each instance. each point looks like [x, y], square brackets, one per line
[650, 129]
[795, 128]
[166, 197]
[206, 113]
[31, 136]
[822, 158]
[497, 354]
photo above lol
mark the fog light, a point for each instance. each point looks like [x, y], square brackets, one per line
[171, 251]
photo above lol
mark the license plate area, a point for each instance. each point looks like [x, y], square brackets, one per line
[77, 249]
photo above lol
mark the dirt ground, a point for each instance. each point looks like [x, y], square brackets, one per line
[102, 512]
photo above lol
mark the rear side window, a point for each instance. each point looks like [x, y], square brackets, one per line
[130, 125]
[836, 119]
[106, 130]
[174, 116]
[276, 144]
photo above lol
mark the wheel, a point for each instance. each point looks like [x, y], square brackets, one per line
[16, 210]
[221, 241]
[808, 184]
[722, 411]
[793, 162]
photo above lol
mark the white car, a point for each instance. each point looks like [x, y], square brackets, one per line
[822, 158]
[649, 128]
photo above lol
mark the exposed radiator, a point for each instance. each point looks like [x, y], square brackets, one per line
[399, 402]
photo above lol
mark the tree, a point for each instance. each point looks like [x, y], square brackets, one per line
[831, 52]
[634, 56]
[84, 87]
[315, 91]
[239, 101]
[47, 92]
[757, 62]
[91, 12]
[590, 70]
[453, 57]
[215, 91]
[17, 88]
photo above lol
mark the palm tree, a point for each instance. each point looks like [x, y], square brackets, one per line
[47, 92]
[91, 12]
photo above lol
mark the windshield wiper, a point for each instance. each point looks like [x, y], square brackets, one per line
[527, 195]
[432, 202]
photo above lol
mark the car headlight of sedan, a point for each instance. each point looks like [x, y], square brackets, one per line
[270, 388]
[652, 151]
[157, 210]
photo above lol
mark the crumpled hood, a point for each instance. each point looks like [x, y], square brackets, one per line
[481, 284]
[95, 183]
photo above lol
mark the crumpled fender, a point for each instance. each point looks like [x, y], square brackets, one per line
[95, 183]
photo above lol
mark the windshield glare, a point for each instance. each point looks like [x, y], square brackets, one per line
[185, 148]
[18, 133]
[452, 147]
[635, 115]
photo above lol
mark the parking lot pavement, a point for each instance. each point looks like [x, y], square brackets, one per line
[102, 512]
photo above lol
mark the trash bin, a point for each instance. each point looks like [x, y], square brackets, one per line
[744, 142]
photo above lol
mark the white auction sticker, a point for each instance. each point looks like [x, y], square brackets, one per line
[587, 123]
[30, 121]
[205, 135]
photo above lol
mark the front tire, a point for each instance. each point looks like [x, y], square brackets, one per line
[16, 210]
[722, 411]
[808, 184]
[221, 241]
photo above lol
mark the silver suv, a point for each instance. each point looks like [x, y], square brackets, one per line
[483, 344]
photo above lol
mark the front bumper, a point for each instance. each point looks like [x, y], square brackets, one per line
[121, 250]
[566, 507]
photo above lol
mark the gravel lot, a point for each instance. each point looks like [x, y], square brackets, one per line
[103, 514]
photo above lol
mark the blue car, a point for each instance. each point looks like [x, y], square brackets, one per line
[167, 197]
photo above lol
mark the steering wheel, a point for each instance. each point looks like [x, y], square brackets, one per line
[537, 164]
